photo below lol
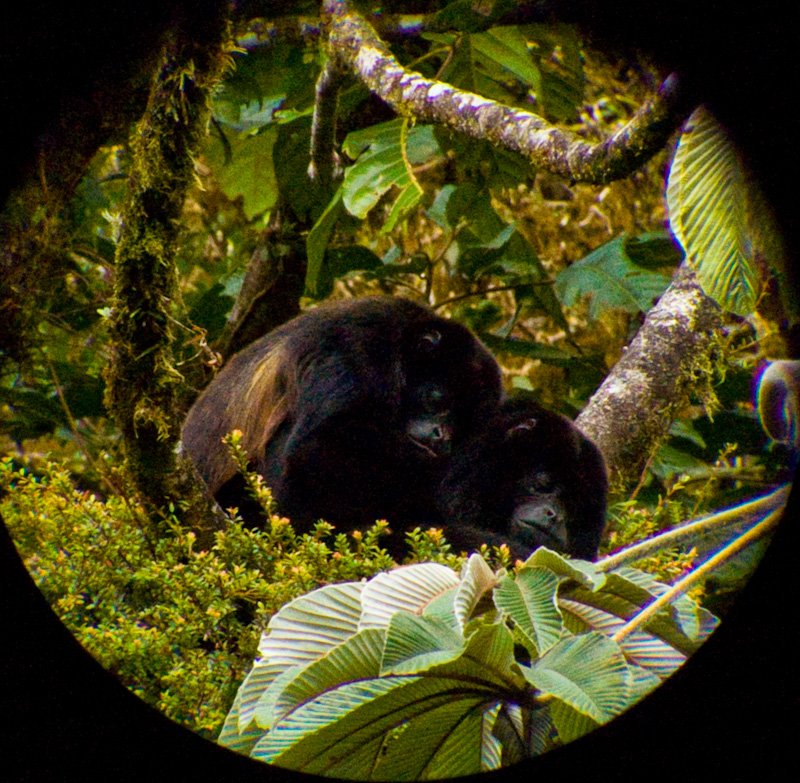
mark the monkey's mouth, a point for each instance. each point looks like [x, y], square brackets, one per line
[430, 435]
[425, 447]
[541, 532]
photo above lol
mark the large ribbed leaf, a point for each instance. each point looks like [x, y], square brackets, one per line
[410, 588]
[476, 580]
[587, 672]
[357, 658]
[639, 647]
[341, 733]
[415, 643]
[707, 202]
[313, 624]
[301, 632]
[414, 674]
[530, 601]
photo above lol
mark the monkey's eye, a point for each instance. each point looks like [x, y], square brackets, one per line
[430, 340]
[523, 426]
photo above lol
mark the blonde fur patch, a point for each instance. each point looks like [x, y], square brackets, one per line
[266, 402]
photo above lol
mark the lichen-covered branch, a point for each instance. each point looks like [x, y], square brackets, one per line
[670, 357]
[141, 380]
[355, 46]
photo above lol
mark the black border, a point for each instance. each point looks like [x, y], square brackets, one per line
[731, 710]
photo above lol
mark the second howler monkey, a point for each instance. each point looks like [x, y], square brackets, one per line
[349, 411]
[530, 479]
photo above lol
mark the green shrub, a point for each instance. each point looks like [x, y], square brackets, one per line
[178, 626]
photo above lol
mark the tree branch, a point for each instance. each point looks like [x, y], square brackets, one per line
[354, 46]
[670, 357]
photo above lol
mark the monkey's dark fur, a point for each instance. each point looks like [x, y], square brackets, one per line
[349, 411]
[530, 479]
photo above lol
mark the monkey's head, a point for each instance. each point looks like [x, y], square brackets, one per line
[556, 486]
[529, 479]
[451, 384]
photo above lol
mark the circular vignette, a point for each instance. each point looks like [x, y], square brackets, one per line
[68, 717]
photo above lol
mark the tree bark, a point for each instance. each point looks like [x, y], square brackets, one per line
[670, 358]
[142, 381]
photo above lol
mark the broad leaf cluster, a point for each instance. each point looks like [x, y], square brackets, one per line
[419, 673]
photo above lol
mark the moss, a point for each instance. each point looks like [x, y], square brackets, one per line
[142, 379]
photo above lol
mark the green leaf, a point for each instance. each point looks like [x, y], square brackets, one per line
[305, 199]
[612, 281]
[322, 733]
[313, 624]
[490, 644]
[447, 743]
[247, 170]
[476, 581]
[381, 165]
[414, 644]
[504, 53]
[653, 251]
[271, 74]
[357, 658]
[233, 736]
[572, 724]
[529, 599]
[318, 238]
[588, 673]
[639, 647]
[409, 588]
[341, 261]
[583, 572]
[628, 590]
[707, 202]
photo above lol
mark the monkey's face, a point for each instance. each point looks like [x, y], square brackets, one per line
[450, 379]
[539, 515]
[429, 425]
[557, 478]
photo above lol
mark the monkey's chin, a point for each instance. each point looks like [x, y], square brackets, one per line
[537, 534]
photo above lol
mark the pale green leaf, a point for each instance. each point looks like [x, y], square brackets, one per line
[410, 588]
[325, 735]
[530, 600]
[588, 672]
[707, 202]
[476, 580]
[639, 647]
[312, 624]
[357, 658]
[582, 571]
[413, 644]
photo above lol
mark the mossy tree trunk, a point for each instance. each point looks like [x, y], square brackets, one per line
[142, 381]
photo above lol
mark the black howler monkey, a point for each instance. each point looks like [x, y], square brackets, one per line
[530, 479]
[349, 411]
